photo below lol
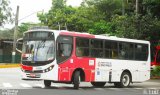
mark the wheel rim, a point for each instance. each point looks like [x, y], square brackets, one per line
[125, 80]
[79, 79]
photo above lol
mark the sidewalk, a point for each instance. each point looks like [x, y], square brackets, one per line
[9, 65]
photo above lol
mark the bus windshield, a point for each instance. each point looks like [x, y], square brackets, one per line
[38, 50]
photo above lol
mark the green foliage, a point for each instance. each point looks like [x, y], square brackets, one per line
[56, 17]
[126, 26]
[106, 7]
[101, 27]
[5, 12]
[152, 6]
[136, 27]
[6, 34]
[156, 71]
[105, 17]
[24, 27]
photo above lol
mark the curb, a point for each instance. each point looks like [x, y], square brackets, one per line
[9, 65]
[155, 77]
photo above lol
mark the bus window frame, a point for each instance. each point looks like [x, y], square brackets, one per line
[65, 58]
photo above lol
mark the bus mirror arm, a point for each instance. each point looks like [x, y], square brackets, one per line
[19, 41]
[18, 50]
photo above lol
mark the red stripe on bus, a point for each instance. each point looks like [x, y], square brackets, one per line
[24, 67]
[78, 34]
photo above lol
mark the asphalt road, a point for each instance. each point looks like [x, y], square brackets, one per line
[11, 84]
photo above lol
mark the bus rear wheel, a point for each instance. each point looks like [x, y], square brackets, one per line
[124, 81]
[98, 84]
[76, 80]
[47, 83]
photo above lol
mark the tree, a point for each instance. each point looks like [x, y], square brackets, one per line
[152, 6]
[25, 27]
[5, 12]
[56, 15]
[106, 16]
[106, 7]
[101, 27]
[76, 19]
[126, 26]
[6, 34]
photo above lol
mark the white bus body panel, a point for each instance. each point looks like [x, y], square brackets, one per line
[139, 70]
[51, 75]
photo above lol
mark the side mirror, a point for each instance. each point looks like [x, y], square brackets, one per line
[19, 42]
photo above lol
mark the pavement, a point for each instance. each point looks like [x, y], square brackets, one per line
[15, 65]
[10, 81]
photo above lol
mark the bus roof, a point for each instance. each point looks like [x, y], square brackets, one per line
[87, 35]
[114, 38]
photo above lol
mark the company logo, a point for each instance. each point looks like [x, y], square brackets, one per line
[104, 64]
[9, 92]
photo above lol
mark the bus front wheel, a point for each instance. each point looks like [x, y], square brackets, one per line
[76, 80]
[124, 81]
[98, 84]
[47, 83]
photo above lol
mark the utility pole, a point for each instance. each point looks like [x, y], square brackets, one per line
[123, 10]
[15, 36]
[137, 7]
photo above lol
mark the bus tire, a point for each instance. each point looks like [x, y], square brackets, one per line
[47, 83]
[98, 84]
[124, 81]
[76, 80]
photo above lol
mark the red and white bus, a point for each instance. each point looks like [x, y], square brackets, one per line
[71, 57]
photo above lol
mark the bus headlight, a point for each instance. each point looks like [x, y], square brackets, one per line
[48, 69]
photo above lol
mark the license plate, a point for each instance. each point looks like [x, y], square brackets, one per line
[34, 75]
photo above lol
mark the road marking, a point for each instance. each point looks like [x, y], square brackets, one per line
[65, 85]
[55, 85]
[61, 85]
[7, 85]
[39, 85]
[25, 85]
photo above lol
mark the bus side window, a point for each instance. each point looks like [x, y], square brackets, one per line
[64, 48]
[141, 52]
[114, 50]
[111, 49]
[61, 49]
[79, 52]
[96, 48]
[114, 54]
[82, 47]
